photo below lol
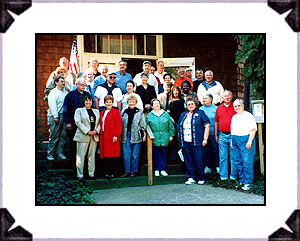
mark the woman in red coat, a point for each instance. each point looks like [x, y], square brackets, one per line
[111, 128]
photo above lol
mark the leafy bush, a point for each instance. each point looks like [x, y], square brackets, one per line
[53, 188]
[39, 136]
[258, 187]
[252, 54]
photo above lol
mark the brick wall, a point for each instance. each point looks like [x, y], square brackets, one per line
[50, 48]
[212, 51]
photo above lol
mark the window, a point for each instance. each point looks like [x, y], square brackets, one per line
[138, 44]
[89, 43]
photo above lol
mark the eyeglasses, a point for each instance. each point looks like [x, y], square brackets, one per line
[112, 77]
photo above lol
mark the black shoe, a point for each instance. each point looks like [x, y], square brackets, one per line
[81, 179]
[110, 177]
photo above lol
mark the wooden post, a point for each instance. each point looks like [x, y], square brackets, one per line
[149, 154]
[261, 150]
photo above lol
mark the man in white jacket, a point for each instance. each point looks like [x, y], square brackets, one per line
[57, 138]
[210, 86]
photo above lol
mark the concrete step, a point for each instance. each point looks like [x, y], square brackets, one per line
[132, 182]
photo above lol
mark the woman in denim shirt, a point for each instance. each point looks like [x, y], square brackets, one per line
[193, 134]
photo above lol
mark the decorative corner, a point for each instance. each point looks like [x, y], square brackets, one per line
[16, 234]
[16, 6]
[281, 6]
[293, 223]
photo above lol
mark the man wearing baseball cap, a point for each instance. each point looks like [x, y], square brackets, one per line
[151, 78]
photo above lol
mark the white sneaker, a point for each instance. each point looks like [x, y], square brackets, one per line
[246, 187]
[61, 156]
[207, 170]
[50, 158]
[190, 181]
[163, 173]
[156, 173]
[201, 182]
[218, 169]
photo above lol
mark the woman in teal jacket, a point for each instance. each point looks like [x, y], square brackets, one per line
[161, 126]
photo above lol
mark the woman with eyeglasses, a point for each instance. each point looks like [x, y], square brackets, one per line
[60, 71]
[161, 127]
[193, 133]
[243, 129]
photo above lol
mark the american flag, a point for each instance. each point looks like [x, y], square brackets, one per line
[74, 65]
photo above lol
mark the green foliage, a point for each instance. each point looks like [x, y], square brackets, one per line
[252, 54]
[53, 188]
[39, 136]
[258, 187]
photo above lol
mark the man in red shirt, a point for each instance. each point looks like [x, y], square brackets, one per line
[181, 73]
[223, 117]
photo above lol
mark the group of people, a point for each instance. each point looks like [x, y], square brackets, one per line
[194, 116]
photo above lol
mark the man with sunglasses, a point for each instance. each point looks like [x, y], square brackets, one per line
[108, 88]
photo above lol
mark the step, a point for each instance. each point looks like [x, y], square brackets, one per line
[133, 182]
[124, 182]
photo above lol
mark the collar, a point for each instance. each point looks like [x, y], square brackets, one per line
[135, 110]
[207, 86]
[159, 113]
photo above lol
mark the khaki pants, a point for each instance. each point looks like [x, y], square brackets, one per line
[58, 135]
[82, 149]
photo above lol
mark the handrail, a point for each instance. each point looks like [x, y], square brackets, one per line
[149, 155]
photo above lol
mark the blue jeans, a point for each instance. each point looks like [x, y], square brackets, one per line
[131, 155]
[159, 157]
[194, 158]
[243, 158]
[224, 149]
[212, 152]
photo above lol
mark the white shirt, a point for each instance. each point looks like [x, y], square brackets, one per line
[216, 91]
[151, 81]
[139, 103]
[55, 101]
[161, 77]
[103, 119]
[101, 92]
[242, 124]
[187, 131]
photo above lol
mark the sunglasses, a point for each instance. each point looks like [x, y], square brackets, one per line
[112, 77]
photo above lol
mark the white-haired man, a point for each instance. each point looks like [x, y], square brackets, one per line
[223, 118]
[101, 78]
[94, 66]
[210, 86]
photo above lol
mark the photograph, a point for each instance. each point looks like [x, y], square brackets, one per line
[150, 119]
[127, 126]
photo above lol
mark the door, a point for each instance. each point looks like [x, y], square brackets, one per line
[173, 64]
